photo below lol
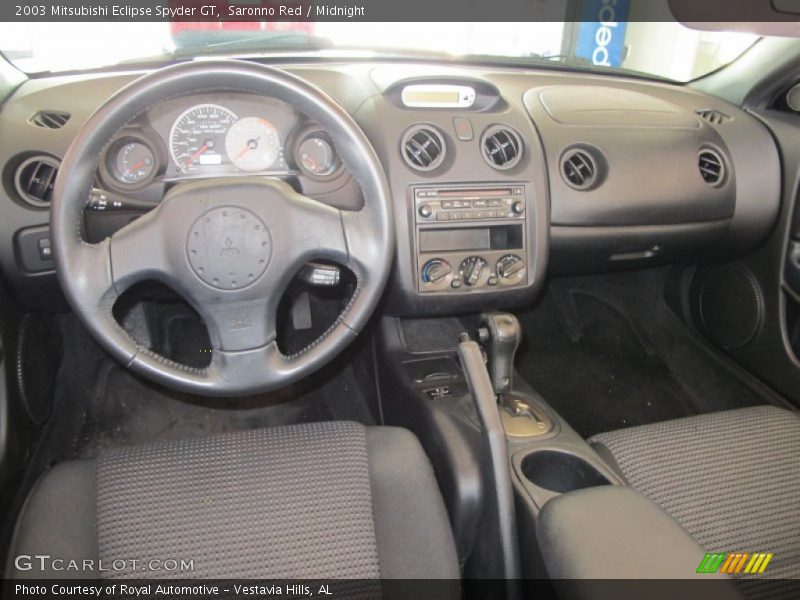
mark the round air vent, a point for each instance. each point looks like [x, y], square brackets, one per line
[423, 148]
[712, 167]
[501, 147]
[579, 169]
[34, 179]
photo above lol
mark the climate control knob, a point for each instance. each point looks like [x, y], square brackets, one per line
[471, 270]
[435, 270]
[510, 267]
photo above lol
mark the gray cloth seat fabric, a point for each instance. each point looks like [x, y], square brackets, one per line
[323, 500]
[732, 479]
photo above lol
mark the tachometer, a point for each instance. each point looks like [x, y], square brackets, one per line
[253, 144]
[198, 135]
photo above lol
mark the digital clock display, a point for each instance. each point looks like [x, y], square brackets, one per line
[431, 97]
[438, 96]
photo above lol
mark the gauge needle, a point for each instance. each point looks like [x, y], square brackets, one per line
[244, 151]
[310, 162]
[135, 167]
[194, 156]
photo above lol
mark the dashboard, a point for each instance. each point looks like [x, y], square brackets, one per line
[498, 176]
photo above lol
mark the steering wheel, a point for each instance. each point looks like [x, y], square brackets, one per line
[229, 246]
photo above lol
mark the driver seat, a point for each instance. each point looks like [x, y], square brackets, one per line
[332, 500]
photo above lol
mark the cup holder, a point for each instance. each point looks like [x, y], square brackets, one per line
[560, 472]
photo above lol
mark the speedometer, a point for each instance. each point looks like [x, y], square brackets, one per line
[197, 137]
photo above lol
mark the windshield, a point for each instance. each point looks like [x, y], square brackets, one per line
[666, 50]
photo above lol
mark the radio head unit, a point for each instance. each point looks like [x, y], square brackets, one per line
[470, 239]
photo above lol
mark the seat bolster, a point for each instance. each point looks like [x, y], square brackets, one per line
[58, 520]
[412, 529]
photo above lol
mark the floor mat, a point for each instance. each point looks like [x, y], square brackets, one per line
[100, 404]
[608, 353]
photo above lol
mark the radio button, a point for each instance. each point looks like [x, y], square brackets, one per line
[447, 204]
[442, 216]
[480, 203]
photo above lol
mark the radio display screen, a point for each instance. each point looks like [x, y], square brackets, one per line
[443, 240]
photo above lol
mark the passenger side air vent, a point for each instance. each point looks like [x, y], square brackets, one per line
[50, 119]
[712, 167]
[501, 147]
[579, 169]
[423, 148]
[713, 116]
[34, 179]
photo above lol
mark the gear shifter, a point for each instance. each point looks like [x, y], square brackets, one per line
[501, 335]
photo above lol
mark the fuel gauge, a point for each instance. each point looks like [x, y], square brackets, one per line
[317, 157]
[132, 162]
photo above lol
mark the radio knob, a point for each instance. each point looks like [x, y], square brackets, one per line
[435, 270]
[518, 207]
[471, 269]
[510, 267]
[425, 211]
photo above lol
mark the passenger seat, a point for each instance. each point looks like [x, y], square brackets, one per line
[732, 479]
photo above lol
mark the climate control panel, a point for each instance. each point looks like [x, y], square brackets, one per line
[474, 271]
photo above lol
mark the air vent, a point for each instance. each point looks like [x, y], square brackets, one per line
[712, 167]
[423, 148]
[502, 147]
[579, 169]
[50, 119]
[34, 179]
[713, 116]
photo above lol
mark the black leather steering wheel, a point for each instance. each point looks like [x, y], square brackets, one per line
[228, 246]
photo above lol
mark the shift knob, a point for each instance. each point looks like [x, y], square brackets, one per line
[501, 334]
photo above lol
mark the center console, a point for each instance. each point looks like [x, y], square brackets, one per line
[470, 239]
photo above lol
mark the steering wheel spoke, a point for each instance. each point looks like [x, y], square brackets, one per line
[137, 253]
[236, 326]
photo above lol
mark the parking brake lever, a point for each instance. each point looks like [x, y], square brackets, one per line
[480, 386]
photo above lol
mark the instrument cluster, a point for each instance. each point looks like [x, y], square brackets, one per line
[227, 135]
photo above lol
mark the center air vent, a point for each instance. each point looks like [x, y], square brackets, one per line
[50, 119]
[34, 179]
[501, 147]
[712, 167]
[579, 169]
[423, 148]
